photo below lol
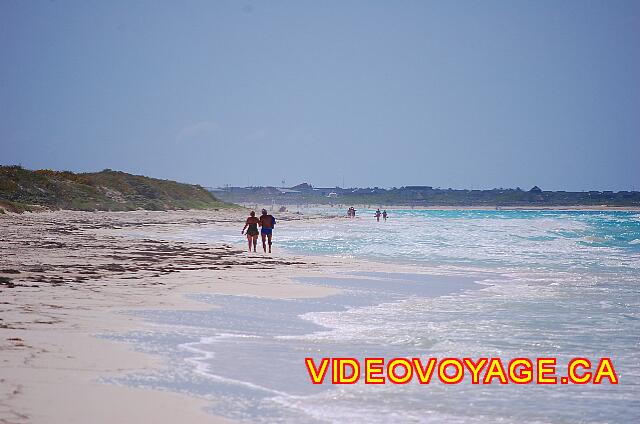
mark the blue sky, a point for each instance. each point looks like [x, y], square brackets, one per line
[463, 94]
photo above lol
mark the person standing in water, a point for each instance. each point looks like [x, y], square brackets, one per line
[384, 214]
[377, 214]
[267, 222]
[252, 232]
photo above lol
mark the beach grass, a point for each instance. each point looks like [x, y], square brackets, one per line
[27, 190]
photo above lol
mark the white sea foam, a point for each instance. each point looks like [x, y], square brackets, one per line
[563, 284]
[202, 361]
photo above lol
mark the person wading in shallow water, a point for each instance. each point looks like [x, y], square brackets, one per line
[252, 232]
[267, 222]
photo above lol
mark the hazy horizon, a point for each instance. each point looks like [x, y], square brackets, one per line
[468, 95]
[290, 185]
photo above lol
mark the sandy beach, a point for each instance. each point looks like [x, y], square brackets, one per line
[67, 275]
[80, 293]
[451, 189]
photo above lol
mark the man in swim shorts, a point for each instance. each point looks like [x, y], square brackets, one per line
[267, 222]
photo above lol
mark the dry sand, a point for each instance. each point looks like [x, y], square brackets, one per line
[65, 275]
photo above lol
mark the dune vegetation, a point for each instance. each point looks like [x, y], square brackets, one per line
[27, 190]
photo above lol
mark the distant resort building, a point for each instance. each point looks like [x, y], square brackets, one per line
[288, 190]
[422, 195]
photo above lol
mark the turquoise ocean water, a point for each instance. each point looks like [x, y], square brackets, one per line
[503, 283]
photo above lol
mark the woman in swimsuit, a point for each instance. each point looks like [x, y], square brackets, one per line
[252, 232]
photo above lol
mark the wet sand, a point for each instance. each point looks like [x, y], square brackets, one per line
[64, 278]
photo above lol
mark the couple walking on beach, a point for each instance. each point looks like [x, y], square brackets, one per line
[266, 223]
[378, 214]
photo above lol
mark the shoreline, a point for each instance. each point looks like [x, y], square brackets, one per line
[68, 275]
[71, 352]
[345, 206]
[522, 208]
[68, 285]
